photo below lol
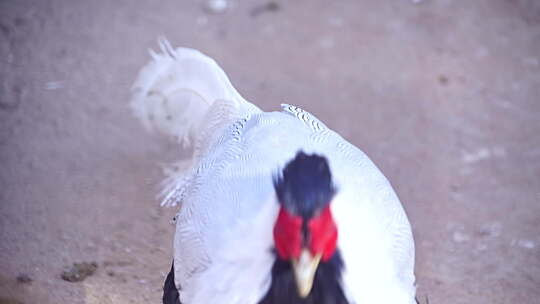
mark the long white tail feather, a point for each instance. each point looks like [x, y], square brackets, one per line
[185, 93]
[178, 178]
[173, 92]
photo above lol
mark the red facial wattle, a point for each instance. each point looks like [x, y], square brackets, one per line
[322, 234]
[323, 231]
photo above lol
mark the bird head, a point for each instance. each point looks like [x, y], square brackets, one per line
[305, 233]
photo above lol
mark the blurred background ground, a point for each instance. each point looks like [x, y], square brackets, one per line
[443, 95]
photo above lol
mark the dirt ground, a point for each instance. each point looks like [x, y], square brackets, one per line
[443, 95]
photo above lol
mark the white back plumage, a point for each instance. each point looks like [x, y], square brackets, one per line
[223, 242]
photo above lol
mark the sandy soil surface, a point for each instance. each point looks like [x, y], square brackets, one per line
[443, 95]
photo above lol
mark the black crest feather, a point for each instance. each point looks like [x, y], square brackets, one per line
[305, 184]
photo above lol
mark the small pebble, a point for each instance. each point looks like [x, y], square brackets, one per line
[268, 7]
[481, 247]
[54, 85]
[473, 157]
[526, 244]
[79, 271]
[460, 237]
[491, 230]
[443, 80]
[24, 278]
[216, 6]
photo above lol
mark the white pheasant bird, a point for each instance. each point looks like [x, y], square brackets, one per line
[274, 206]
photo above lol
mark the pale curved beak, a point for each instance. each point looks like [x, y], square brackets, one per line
[305, 268]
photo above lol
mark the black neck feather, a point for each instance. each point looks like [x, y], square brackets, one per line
[326, 285]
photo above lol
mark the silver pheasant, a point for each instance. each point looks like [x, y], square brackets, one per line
[253, 214]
